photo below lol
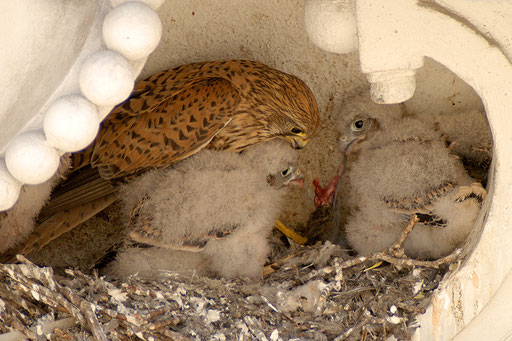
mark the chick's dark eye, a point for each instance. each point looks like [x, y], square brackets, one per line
[296, 131]
[359, 124]
[285, 172]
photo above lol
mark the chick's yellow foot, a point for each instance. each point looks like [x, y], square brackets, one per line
[374, 266]
[288, 232]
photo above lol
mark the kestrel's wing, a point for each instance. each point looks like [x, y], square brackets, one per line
[146, 96]
[173, 79]
[146, 234]
[172, 130]
[143, 232]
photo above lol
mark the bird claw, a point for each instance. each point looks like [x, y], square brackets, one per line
[475, 190]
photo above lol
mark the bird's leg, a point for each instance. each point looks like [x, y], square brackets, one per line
[401, 262]
[397, 250]
[327, 196]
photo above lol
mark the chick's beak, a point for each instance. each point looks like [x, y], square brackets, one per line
[343, 142]
[298, 142]
[296, 178]
[347, 144]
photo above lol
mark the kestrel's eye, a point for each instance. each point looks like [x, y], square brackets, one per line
[296, 131]
[358, 125]
[286, 171]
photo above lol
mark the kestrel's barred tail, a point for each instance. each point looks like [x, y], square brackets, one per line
[172, 115]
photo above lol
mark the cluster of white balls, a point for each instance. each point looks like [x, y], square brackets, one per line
[131, 31]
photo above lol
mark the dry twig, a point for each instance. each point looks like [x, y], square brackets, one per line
[395, 254]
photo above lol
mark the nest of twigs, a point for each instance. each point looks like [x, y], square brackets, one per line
[315, 292]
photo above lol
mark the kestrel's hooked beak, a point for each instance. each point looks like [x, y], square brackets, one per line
[298, 142]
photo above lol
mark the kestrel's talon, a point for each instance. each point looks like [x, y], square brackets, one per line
[288, 232]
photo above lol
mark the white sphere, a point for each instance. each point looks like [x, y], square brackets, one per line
[154, 4]
[106, 78]
[132, 29]
[71, 123]
[9, 188]
[30, 159]
[331, 25]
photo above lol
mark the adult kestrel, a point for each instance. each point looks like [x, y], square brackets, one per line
[210, 214]
[402, 168]
[226, 105]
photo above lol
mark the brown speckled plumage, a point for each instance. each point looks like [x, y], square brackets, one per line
[223, 105]
[171, 115]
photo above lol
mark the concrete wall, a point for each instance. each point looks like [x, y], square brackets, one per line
[38, 53]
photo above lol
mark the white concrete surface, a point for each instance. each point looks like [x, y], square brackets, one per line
[9, 187]
[396, 35]
[36, 54]
[471, 38]
[106, 78]
[154, 4]
[42, 62]
[331, 24]
[31, 159]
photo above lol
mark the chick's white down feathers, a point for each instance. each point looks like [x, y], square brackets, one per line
[403, 168]
[221, 200]
[468, 136]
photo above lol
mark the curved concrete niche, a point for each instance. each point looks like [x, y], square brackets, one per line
[396, 35]
[471, 38]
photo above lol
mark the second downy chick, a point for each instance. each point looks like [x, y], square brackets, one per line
[403, 168]
[210, 214]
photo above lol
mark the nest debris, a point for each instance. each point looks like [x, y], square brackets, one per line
[315, 292]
